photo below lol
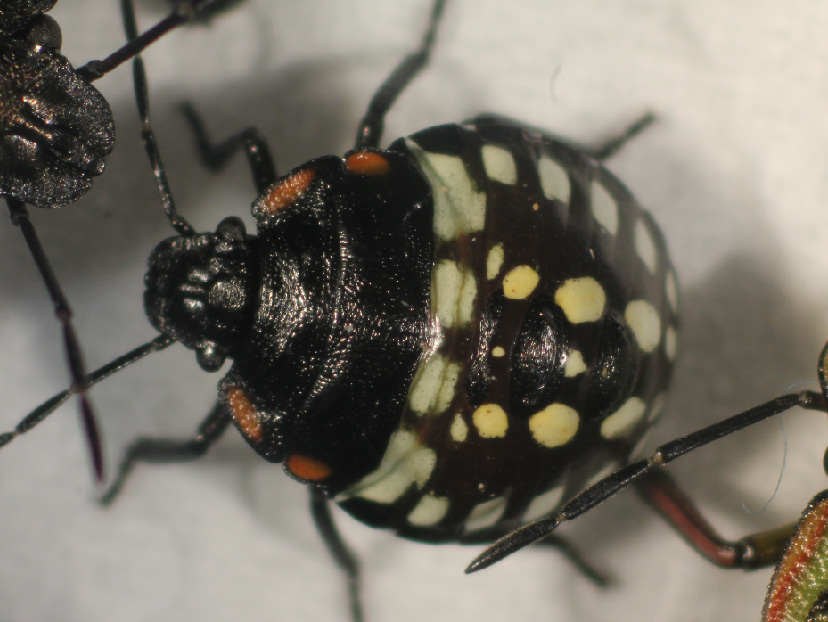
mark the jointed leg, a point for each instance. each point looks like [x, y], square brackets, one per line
[216, 156]
[610, 147]
[627, 475]
[63, 312]
[167, 450]
[370, 130]
[342, 555]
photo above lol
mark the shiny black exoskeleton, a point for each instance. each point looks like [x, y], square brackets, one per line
[57, 129]
[449, 338]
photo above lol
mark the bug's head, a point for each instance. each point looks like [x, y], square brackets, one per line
[200, 290]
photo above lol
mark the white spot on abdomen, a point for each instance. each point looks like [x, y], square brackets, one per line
[574, 364]
[459, 208]
[455, 290]
[643, 320]
[486, 514]
[623, 421]
[494, 261]
[459, 430]
[433, 386]
[604, 208]
[499, 164]
[429, 511]
[644, 244]
[670, 343]
[554, 180]
[405, 463]
[543, 504]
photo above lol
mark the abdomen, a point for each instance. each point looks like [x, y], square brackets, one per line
[551, 338]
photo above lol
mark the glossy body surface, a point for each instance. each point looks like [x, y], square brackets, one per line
[57, 128]
[231, 533]
[546, 341]
[448, 337]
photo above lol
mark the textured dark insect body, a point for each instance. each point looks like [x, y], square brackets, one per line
[450, 338]
[444, 336]
[57, 128]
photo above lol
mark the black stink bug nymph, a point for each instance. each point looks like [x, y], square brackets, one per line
[449, 338]
[475, 303]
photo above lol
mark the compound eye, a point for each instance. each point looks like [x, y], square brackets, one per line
[231, 229]
[208, 357]
[44, 32]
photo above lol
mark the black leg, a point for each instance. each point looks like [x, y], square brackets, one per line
[216, 156]
[181, 226]
[573, 555]
[370, 130]
[340, 552]
[210, 10]
[167, 450]
[63, 312]
[612, 146]
[625, 476]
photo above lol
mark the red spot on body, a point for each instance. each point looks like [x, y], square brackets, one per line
[307, 469]
[368, 163]
[287, 191]
[244, 413]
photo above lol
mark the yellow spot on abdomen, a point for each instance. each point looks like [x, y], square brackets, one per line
[555, 425]
[520, 282]
[581, 300]
[491, 421]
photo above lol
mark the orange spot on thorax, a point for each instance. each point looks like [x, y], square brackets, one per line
[307, 469]
[288, 191]
[244, 413]
[368, 163]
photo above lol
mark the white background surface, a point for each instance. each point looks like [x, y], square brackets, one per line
[736, 171]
